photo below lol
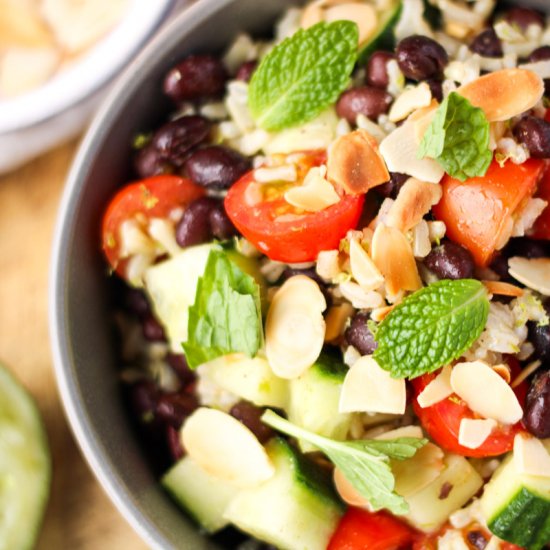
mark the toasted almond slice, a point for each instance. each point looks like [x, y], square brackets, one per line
[414, 201]
[369, 388]
[399, 150]
[364, 15]
[359, 298]
[380, 313]
[497, 93]
[363, 269]
[225, 448]
[474, 431]
[314, 12]
[503, 371]
[336, 319]
[501, 288]
[403, 431]
[533, 273]
[355, 164]
[315, 193]
[437, 390]
[347, 491]
[417, 472]
[530, 456]
[410, 100]
[295, 328]
[393, 256]
[470, 382]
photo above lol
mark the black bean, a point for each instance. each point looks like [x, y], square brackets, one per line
[174, 408]
[534, 133]
[179, 365]
[250, 415]
[539, 336]
[359, 335]
[450, 261]
[420, 57]
[173, 441]
[477, 539]
[152, 329]
[526, 247]
[196, 77]
[216, 167]
[136, 302]
[377, 69]
[365, 100]
[542, 54]
[524, 17]
[392, 187]
[436, 87]
[221, 226]
[487, 44]
[194, 226]
[245, 70]
[171, 144]
[144, 396]
[536, 413]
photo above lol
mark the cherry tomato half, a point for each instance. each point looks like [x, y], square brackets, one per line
[442, 420]
[478, 212]
[280, 230]
[153, 197]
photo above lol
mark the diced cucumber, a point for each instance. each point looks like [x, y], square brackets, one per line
[203, 496]
[251, 379]
[172, 285]
[314, 397]
[516, 506]
[25, 467]
[383, 38]
[296, 509]
[431, 506]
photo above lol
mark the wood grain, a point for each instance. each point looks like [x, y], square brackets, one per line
[79, 515]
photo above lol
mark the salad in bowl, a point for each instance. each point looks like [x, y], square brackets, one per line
[333, 268]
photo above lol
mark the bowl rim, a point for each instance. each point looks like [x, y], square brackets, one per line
[90, 72]
[75, 410]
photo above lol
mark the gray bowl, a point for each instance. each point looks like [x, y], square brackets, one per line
[84, 352]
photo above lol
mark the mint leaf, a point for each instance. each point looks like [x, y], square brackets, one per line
[458, 138]
[432, 327]
[303, 75]
[226, 316]
[363, 462]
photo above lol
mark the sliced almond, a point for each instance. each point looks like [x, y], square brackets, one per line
[393, 256]
[410, 100]
[315, 193]
[422, 118]
[225, 448]
[347, 491]
[437, 390]
[355, 164]
[503, 371]
[363, 269]
[380, 313]
[414, 201]
[336, 320]
[421, 244]
[501, 288]
[295, 328]
[497, 93]
[403, 431]
[471, 380]
[473, 431]
[530, 456]
[399, 150]
[533, 273]
[359, 298]
[369, 388]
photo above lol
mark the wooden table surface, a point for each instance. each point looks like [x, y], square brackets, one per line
[79, 515]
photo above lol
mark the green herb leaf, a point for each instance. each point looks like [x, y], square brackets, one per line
[432, 327]
[458, 138]
[226, 316]
[303, 75]
[365, 464]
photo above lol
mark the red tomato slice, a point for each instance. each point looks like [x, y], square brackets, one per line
[442, 420]
[541, 229]
[280, 230]
[478, 212]
[153, 197]
[362, 530]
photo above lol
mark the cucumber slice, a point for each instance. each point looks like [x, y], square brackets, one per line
[203, 496]
[517, 506]
[383, 38]
[296, 509]
[25, 467]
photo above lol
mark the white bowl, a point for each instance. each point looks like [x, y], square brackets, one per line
[36, 121]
